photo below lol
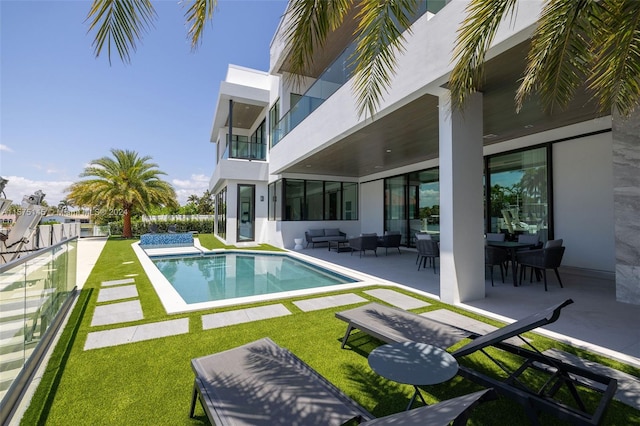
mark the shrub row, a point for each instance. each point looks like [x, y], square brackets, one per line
[139, 227]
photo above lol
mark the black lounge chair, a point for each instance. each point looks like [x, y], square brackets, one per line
[396, 325]
[261, 383]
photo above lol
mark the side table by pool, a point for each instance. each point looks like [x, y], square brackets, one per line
[414, 364]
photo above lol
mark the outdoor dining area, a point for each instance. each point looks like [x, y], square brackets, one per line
[519, 254]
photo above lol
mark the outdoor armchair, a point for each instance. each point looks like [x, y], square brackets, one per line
[390, 239]
[363, 243]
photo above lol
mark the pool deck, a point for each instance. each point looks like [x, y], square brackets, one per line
[596, 321]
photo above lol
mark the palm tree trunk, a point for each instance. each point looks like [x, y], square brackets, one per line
[126, 227]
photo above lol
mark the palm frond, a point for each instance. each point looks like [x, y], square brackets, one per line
[474, 39]
[560, 53]
[616, 69]
[198, 14]
[121, 23]
[381, 24]
[310, 21]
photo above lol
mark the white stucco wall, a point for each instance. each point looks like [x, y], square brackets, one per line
[372, 207]
[583, 198]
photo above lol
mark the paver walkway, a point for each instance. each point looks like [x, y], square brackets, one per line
[328, 302]
[240, 316]
[136, 333]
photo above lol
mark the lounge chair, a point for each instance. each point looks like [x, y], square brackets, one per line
[261, 383]
[396, 325]
[363, 243]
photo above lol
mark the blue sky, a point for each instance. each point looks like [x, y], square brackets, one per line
[61, 107]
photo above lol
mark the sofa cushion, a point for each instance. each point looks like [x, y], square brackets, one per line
[332, 232]
[316, 232]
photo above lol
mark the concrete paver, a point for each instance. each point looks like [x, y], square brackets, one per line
[137, 333]
[117, 282]
[328, 302]
[117, 313]
[117, 293]
[223, 319]
[397, 299]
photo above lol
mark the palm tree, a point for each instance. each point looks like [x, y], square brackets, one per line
[123, 22]
[597, 41]
[127, 183]
[575, 41]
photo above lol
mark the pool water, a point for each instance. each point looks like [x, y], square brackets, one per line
[232, 275]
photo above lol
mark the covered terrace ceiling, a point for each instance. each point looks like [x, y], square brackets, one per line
[410, 134]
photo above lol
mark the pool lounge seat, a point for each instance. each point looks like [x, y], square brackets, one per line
[261, 383]
[396, 325]
[317, 236]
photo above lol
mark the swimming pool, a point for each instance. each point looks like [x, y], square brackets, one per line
[213, 277]
[266, 266]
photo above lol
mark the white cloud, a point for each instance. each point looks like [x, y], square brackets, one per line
[5, 148]
[19, 186]
[196, 184]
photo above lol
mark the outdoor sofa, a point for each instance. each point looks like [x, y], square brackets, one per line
[317, 236]
[262, 383]
[393, 325]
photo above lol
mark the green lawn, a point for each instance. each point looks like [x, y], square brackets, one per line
[150, 383]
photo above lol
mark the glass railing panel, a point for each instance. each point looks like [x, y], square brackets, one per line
[248, 150]
[13, 290]
[32, 291]
[332, 79]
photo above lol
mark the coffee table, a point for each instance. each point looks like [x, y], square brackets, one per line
[339, 245]
[414, 364]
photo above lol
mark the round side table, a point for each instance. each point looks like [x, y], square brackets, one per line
[414, 364]
[298, 242]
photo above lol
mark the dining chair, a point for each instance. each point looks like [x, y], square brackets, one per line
[540, 260]
[495, 256]
[427, 249]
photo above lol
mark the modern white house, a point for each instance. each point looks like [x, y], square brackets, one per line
[293, 158]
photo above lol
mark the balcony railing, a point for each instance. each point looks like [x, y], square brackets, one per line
[333, 78]
[35, 293]
[246, 151]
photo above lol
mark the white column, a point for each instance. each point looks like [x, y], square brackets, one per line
[461, 204]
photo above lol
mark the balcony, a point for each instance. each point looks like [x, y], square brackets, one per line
[245, 150]
[333, 78]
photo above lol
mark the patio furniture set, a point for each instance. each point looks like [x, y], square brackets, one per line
[338, 240]
[526, 252]
[264, 383]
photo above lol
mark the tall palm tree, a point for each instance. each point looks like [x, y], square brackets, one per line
[126, 182]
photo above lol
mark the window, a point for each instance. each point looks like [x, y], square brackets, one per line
[274, 117]
[518, 193]
[350, 201]
[294, 199]
[313, 200]
[221, 213]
